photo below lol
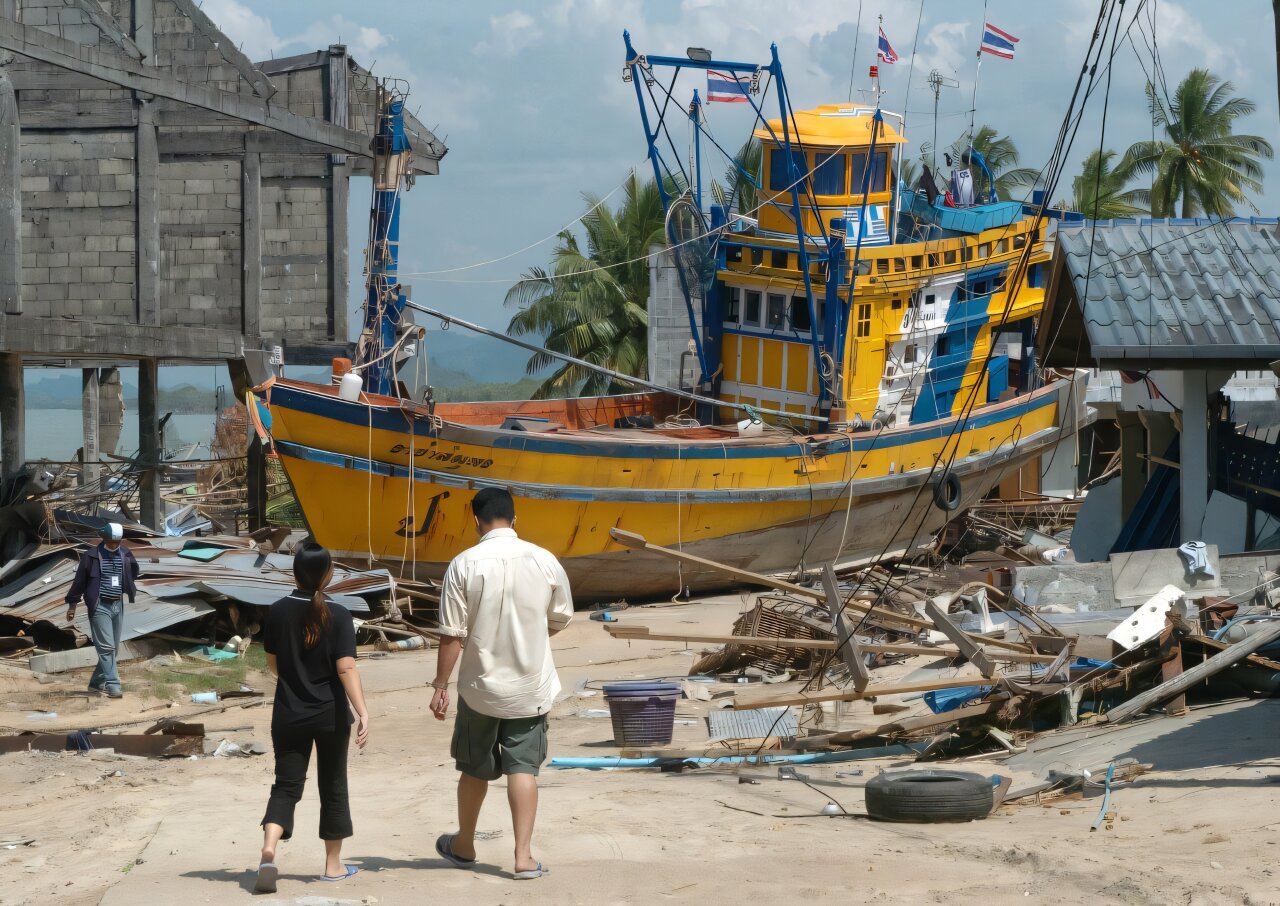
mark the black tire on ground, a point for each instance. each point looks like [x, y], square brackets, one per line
[927, 796]
[947, 491]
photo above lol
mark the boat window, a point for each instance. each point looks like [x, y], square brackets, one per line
[828, 174]
[933, 260]
[777, 312]
[1002, 246]
[909, 356]
[800, 320]
[757, 257]
[734, 254]
[899, 265]
[732, 304]
[930, 299]
[949, 257]
[778, 259]
[864, 319]
[882, 266]
[917, 262]
[821, 308]
[779, 179]
[1001, 281]
[752, 314]
[897, 302]
[984, 250]
[876, 181]
[980, 288]
[1020, 241]
[943, 347]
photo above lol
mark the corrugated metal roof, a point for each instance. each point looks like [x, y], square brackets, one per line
[1175, 289]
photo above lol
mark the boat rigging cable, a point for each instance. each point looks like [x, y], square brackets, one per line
[609, 372]
[1055, 166]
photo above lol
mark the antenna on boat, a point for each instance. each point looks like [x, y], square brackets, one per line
[937, 82]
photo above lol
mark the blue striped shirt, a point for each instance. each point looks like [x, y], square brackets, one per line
[112, 575]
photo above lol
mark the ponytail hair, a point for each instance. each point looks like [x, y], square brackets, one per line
[312, 567]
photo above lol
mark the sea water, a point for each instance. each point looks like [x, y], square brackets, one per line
[56, 434]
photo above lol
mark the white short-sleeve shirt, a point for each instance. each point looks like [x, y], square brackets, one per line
[504, 596]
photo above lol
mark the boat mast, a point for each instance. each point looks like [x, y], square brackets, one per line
[376, 354]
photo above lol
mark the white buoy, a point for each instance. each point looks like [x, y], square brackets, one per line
[350, 386]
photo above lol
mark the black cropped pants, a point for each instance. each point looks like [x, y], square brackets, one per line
[293, 747]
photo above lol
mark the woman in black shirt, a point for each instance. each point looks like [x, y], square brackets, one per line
[311, 648]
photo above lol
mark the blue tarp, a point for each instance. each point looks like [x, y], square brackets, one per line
[942, 700]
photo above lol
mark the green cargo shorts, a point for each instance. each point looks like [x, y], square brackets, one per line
[487, 747]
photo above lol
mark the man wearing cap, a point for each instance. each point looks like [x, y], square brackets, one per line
[105, 575]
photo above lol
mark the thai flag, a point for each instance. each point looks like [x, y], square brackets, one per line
[885, 50]
[727, 87]
[995, 41]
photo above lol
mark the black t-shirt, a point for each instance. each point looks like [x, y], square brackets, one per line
[308, 691]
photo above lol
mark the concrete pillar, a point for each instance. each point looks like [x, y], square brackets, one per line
[1194, 453]
[1133, 469]
[339, 174]
[10, 200]
[256, 479]
[251, 243]
[1160, 434]
[90, 409]
[151, 508]
[13, 415]
[110, 410]
[146, 197]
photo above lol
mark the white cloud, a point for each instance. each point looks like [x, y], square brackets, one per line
[251, 32]
[510, 33]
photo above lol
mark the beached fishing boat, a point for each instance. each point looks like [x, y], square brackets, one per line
[866, 357]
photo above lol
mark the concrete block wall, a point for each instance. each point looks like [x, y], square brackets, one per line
[78, 225]
[295, 260]
[200, 242]
[304, 92]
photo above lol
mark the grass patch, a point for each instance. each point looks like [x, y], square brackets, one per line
[195, 675]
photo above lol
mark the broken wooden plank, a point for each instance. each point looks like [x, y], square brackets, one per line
[918, 724]
[850, 695]
[1200, 672]
[846, 641]
[633, 632]
[942, 622]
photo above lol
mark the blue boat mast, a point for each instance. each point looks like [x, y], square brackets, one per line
[379, 345]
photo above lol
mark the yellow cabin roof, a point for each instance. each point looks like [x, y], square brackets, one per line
[833, 126]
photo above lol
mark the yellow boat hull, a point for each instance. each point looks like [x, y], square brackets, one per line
[386, 481]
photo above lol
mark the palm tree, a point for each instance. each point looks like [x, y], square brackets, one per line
[1001, 155]
[1199, 163]
[591, 303]
[1099, 191]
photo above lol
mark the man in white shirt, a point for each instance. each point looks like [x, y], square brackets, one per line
[500, 603]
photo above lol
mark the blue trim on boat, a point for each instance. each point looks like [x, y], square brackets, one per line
[363, 416]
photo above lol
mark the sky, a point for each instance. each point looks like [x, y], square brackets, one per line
[529, 96]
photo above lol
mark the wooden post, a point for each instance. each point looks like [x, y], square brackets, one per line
[251, 244]
[90, 411]
[339, 190]
[1171, 668]
[10, 200]
[846, 641]
[149, 452]
[1133, 471]
[257, 482]
[1194, 454]
[942, 622]
[13, 416]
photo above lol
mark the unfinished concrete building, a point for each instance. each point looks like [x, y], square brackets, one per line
[165, 199]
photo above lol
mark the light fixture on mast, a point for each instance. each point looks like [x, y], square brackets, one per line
[937, 81]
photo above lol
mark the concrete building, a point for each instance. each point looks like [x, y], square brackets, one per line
[165, 199]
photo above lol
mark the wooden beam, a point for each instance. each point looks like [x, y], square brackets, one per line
[846, 641]
[107, 25]
[907, 725]
[251, 243]
[850, 695]
[633, 633]
[1197, 674]
[637, 542]
[128, 73]
[942, 622]
[261, 85]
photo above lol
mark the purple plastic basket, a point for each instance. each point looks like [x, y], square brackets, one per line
[643, 713]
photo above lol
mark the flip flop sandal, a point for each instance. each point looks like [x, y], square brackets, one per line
[532, 874]
[351, 870]
[444, 847]
[268, 875]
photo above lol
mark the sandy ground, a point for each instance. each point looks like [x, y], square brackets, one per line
[1203, 828]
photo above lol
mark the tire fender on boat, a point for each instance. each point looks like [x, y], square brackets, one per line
[947, 491]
